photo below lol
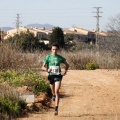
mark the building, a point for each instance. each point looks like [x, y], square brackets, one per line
[83, 35]
[41, 33]
[74, 33]
[2, 35]
[80, 34]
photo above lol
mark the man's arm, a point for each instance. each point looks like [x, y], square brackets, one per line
[66, 68]
[44, 67]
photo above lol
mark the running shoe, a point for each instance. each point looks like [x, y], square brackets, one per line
[56, 112]
[53, 98]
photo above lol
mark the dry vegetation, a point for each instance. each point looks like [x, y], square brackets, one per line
[104, 56]
[12, 59]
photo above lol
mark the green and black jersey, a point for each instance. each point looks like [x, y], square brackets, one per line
[53, 62]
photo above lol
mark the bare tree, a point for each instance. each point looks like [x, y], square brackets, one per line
[114, 24]
[112, 41]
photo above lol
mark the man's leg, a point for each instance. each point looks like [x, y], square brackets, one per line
[57, 87]
[52, 86]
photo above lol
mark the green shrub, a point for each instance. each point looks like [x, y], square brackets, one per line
[8, 75]
[32, 80]
[37, 83]
[92, 66]
[11, 105]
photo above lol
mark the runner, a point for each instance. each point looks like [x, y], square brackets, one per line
[51, 64]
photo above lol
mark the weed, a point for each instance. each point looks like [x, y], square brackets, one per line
[92, 66]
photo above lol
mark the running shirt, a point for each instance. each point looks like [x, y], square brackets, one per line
[53, 62]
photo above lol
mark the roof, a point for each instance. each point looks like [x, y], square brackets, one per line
[79, 30]
[41, 30]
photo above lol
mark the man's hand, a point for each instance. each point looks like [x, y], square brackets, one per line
[66, 68]
[49, 70]
[64, 73]
[44, 67]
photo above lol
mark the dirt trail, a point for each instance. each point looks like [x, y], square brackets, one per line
[87, 95]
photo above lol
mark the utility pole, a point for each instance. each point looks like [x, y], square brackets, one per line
[18, 23]
[1, 35]
[73, 31]
[97, 22]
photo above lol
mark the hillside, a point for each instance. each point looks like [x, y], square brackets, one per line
[46, 26]
[6, 28]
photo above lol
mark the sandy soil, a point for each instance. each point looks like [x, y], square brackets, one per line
[86, 95]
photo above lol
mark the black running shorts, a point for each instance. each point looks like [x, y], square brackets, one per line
[53, 78]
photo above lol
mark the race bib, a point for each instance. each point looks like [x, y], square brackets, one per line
[55, 70]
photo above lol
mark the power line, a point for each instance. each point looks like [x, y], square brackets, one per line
[0, 34]
[18, 23]
[97, 22]
[97, 17]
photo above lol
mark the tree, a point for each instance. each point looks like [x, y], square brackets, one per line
[112, 41]
[26, 41]
[114, 24]
[68, 37]
[57, 36]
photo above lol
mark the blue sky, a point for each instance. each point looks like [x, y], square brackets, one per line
[62, 13]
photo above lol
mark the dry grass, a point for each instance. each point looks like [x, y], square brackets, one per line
[12, 59]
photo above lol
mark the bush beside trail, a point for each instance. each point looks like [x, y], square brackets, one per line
[11, 105]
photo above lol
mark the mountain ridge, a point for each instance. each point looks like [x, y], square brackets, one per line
[37, 25]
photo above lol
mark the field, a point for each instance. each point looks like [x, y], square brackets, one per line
[86, 95]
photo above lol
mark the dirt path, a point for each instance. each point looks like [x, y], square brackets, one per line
[87, 95]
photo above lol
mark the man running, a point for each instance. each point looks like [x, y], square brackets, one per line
[51, 64]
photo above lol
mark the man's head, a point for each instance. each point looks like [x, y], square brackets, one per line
[54, 48]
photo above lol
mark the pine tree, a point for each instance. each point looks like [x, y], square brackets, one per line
[57, 36]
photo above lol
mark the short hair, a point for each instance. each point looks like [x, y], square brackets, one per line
[56, 45]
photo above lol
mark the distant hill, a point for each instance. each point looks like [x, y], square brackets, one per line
[6, 28]
[46, 26]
